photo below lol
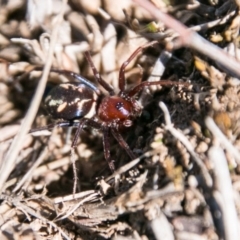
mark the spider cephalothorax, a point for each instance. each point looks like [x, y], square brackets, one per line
[118, 110]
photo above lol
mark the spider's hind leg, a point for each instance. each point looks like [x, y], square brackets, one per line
[80, 125]
[82, 122]
[52, 126]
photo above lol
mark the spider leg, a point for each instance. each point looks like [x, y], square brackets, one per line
[67, 73]
[122, 143]
[78, 77]
[84, 122]
[139, 87]
[64, 124]
[97, 76]
[74, 75]
[53, 125]
[106, 147]
[79, 129]
[121, 83]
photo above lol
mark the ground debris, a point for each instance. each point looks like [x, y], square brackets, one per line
[184, 183]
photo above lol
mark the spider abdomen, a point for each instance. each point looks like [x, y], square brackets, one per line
[115, 108]
[71, 101]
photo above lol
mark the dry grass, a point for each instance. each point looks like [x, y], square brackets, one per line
[184, 185]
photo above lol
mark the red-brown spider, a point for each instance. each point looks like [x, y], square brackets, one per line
[82, 104]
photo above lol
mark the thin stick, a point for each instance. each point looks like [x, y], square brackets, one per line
[222, 138]
[129, 165]
[75, 175]
[191, 39]
[178, 135]
[76, 206]
[225, 188]
[163, 232]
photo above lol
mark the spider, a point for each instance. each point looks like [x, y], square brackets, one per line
[82, 104]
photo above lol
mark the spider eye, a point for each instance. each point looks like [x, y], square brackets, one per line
[119, 105]
[124, 110]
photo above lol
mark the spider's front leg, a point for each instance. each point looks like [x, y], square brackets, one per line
[106, 147]
[123, 143]
[122, 80]
[98, 77]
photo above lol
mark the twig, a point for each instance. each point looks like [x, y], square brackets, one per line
[191, 39]
[74, 197]
[222, 138]
[178, 135]
[35, 214]
[16, 201]
[76, 206]
[129, 165]
[156, 74]
[214, 23]
[224, 187]
[164, 232]
[75, 175]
